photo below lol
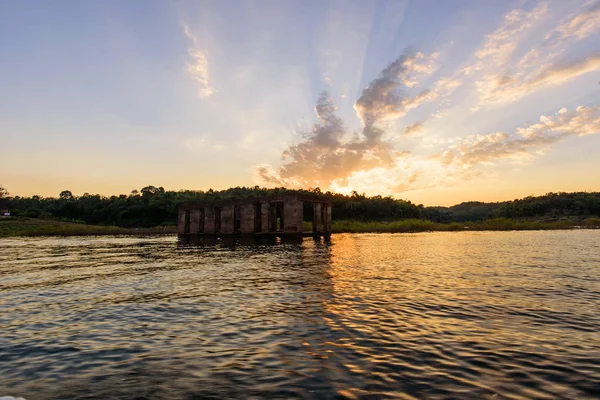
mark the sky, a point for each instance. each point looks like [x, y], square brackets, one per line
[432, 101]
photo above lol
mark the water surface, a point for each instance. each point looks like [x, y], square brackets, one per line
[432, 315]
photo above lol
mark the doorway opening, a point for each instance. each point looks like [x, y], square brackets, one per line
[276, 216]
[307, 216]
[257, 217]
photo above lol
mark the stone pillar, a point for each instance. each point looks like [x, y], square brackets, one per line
[181, 221]
[291, 214]
[209, 220]
[328, 222]
[317, 217]
[300, 216]
[264, 208]
[247, 218]
[194, 221]
[227, 219]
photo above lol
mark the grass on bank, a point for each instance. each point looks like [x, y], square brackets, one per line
[20, 226]
[496, 224]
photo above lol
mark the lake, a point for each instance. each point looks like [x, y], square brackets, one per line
[500, 315]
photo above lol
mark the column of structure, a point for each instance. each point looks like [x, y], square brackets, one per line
[227, 219]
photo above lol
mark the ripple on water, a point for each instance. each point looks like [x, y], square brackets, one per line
[436, 315]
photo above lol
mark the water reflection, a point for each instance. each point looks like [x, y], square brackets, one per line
[427, 315]
[236, 241]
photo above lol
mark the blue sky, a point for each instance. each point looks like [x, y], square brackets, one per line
[432, 101]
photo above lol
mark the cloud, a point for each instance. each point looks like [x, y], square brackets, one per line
[575, 27]
[505, 79]
[514, 61]
[508, 89]
[581, 25]
[328, 153]
[269, 175]
[500, 45]
[413, 129]
[202, 143]
[384, 100]
[564, 73]
[398, 179]
[198, 67]
[525, 143]
[323, 155]
[410, 173]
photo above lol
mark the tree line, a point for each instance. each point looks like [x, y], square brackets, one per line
[155, 206]
[548, 206]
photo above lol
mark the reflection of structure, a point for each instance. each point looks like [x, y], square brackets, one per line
[232, 241]
[272, 215]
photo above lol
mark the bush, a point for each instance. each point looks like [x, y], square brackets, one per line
[32, 213]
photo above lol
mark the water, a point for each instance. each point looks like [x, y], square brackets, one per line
[432, 315]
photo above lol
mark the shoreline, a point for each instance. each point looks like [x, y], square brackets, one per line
[29, 227]
[496, 224]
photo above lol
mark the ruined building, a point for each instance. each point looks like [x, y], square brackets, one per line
[270, 215]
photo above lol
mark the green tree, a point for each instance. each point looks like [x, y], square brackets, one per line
[3, 197]
[66, 195]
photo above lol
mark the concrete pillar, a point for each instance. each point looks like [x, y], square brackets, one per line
[300, 215]
[317, 217]
[209, 220]
[264, 207]
[194, 221]
[247, 218]
[181, 221]
[292, 214]
[328, 222]
[227, 219]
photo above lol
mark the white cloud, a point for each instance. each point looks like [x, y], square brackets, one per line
[413, 129]
[581, 25]
[198, 67]
[508, 89]
[505, 79]
[525, 143]
[500, 45]
[202, 143]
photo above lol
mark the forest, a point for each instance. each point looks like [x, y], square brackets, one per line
[154, 206]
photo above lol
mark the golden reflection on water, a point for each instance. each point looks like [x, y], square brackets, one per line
[461, 299]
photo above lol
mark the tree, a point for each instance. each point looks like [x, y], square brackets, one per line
[66, 194]
[151, 190]
[3, 197]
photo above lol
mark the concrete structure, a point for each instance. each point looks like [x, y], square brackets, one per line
[272, 215]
